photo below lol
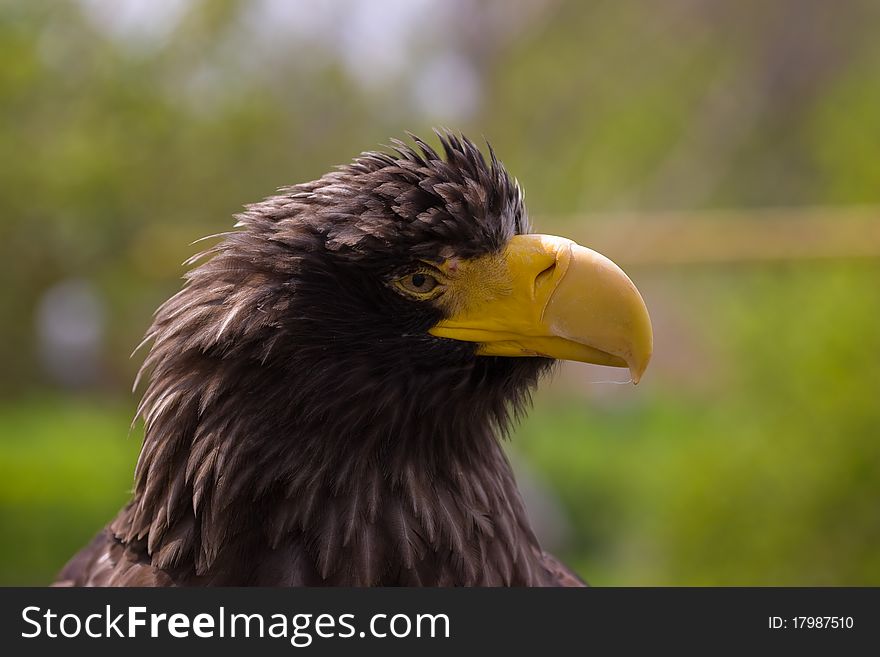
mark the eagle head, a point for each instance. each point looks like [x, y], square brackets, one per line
[350, 352]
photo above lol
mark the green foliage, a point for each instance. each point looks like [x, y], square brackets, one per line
[65, 469]
[771, 478]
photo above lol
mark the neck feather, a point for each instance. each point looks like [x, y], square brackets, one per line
[394, 480]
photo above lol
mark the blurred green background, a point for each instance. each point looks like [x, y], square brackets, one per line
[726, 153]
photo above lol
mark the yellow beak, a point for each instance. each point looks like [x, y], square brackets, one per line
[548, 296]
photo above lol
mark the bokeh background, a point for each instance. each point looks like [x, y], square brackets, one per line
[725, 153]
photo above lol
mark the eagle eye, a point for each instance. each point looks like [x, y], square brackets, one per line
[419, 284]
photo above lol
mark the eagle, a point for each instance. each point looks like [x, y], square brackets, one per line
[327, 395]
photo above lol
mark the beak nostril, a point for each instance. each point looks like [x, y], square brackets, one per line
[544, 275]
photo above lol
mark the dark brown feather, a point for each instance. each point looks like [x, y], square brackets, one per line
[301, 425]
